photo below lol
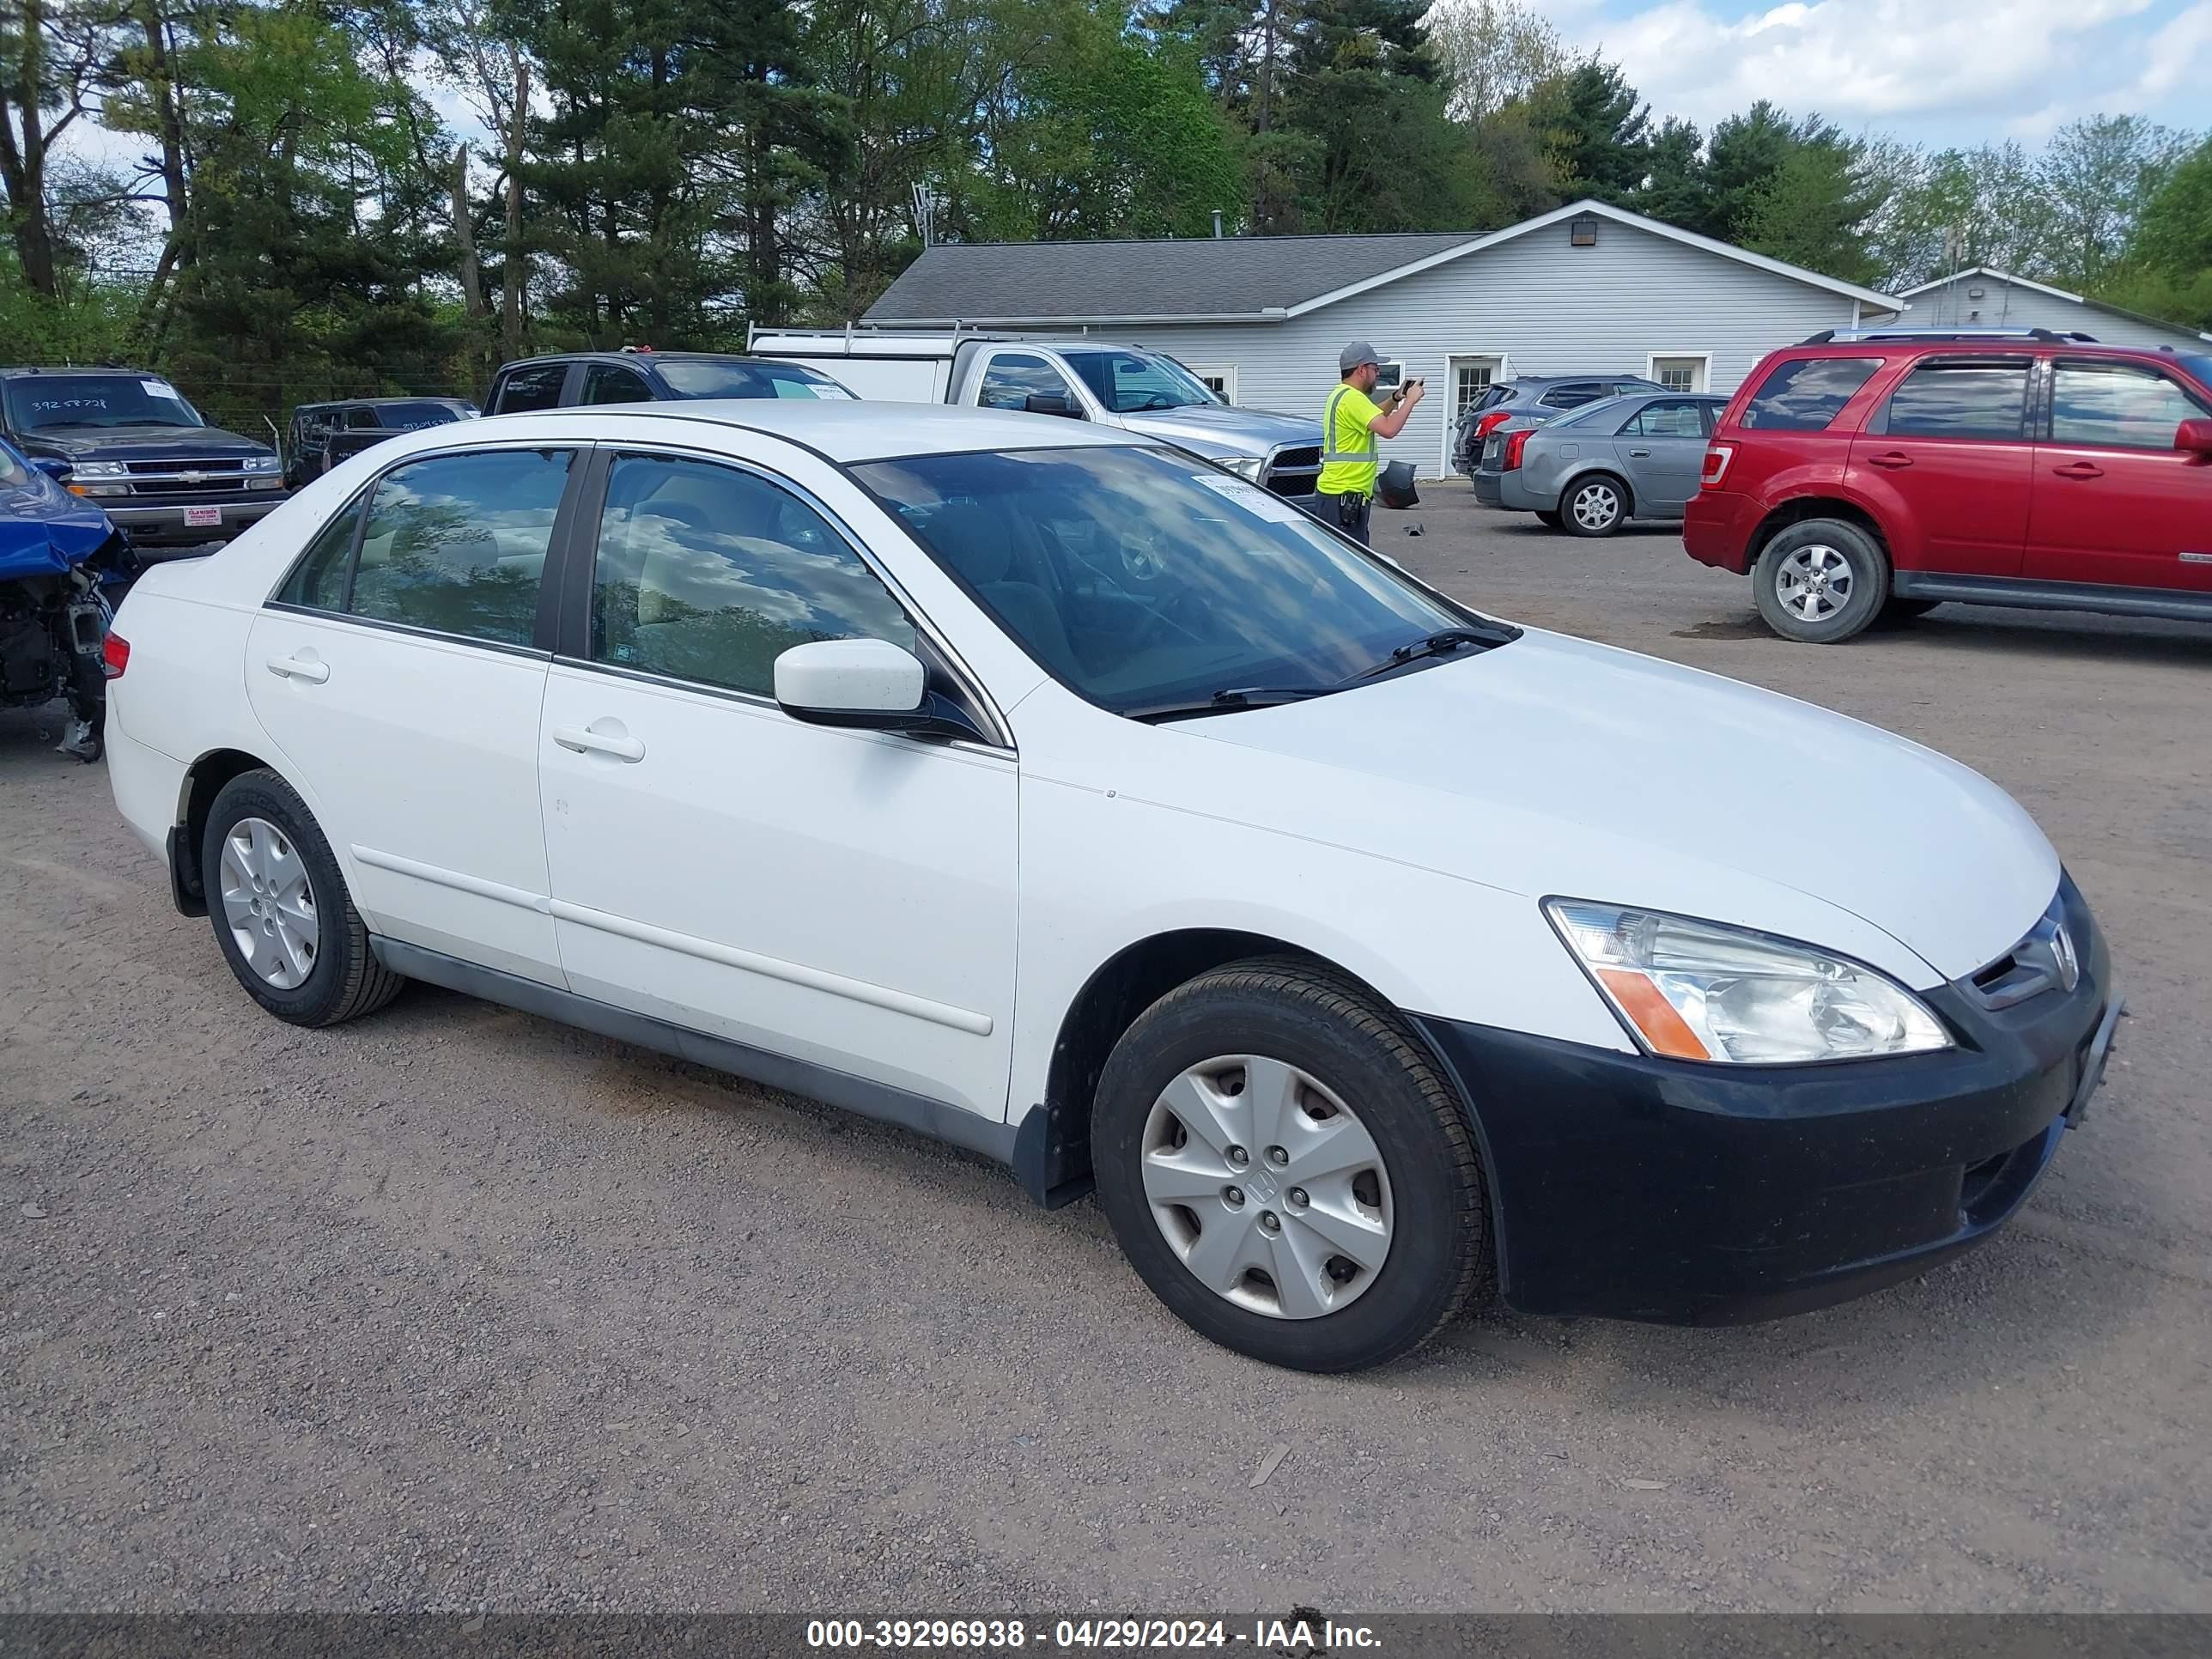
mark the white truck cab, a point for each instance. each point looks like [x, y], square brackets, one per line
[1083, 377]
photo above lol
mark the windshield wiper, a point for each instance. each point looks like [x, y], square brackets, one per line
[1228, 701]
[1442, 643]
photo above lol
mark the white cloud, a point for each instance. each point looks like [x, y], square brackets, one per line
[1903, 62]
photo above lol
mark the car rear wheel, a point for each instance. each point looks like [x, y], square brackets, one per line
[1287, 1170]
[1595, 506]
[282, 915]
[1820, 581]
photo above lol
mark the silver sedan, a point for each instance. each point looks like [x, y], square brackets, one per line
[1589, 473]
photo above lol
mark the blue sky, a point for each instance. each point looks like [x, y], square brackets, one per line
[1933, 73]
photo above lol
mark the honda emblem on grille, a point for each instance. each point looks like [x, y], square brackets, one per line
[2061, 951]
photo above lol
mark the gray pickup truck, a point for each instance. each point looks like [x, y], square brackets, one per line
[1082, 379]
[133, 444]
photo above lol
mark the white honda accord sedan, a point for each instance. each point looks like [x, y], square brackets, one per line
[1048, 791]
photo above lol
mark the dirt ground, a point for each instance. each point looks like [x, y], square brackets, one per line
[455, 1308]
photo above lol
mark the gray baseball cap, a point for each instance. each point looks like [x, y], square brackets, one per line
[1354, 354]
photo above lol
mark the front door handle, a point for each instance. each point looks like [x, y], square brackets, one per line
[1894, 460]
[2079, 470]
[1639, 454]
[585, 741]
[299, 668]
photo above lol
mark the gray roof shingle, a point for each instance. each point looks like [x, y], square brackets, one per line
[1195, 277]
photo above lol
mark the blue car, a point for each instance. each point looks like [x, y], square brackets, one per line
[63, 565]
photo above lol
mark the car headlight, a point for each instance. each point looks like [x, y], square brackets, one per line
[261, 464]
[1247, 467]
[89, 471]
[1697, 990]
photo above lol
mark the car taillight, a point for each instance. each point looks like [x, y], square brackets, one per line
[1484, 425]
[114, 656]
[1515, 443]
[1718, 457]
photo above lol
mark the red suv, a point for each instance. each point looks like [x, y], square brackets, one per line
[1882, 472]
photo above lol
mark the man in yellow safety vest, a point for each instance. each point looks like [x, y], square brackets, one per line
[1350, 426]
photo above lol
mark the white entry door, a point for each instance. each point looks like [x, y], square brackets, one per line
[1470, 378]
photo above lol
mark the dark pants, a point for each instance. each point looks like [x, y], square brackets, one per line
[1347, 512]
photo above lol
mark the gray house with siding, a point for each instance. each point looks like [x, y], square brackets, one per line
[1587, 289]
[1991, 298]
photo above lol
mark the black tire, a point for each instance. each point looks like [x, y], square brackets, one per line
[1439, 1256]
[346, 979]
[1840, 549]
[1549, 520]
[1596, 504]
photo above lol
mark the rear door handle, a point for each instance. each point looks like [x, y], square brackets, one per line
[584, 741]
[1892, 460]
[1639, 454]
[2079, 470]
[298, 668]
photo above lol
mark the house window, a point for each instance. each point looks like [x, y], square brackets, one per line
[1684, 371]
[1583, 232]
[1220, 378]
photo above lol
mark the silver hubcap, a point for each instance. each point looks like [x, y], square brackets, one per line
[1814, 583]
[1596, 505]
[1267, 1187]
[268, 902]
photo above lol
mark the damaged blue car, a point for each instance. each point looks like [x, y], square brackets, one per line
[64, 567]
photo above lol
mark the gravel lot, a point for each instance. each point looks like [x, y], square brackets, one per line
[455, 1308]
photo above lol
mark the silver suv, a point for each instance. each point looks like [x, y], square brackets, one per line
[1529, 400]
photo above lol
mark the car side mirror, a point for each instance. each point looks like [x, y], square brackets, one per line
[2195, 437]
[54, 467]
[870, 684]
[1051, 403]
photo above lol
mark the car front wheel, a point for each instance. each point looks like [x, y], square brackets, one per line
[1287, 1170]
[1820, 581]
[282, 915]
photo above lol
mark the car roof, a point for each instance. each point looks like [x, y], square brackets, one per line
[841, 430]
[634, 357]
[78, 369]
[1872, 344]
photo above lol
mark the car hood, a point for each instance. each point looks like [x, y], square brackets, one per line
[143, 443]
[1555, 766]
[1222, 429]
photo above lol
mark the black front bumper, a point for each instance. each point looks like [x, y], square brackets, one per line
[1645, 1189]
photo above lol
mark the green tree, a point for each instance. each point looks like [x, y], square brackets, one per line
[2097, 173]
[1595, 128]
[1742, 155]
[1677, 190]
[1371, 147]
[1814, 209]
[2167, 269]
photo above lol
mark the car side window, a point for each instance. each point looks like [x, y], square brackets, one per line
[709, 573]
[318, 580]
[457, 544]
[1806, 395]
[1952, 398]
[2113, 405]
[1676, 417]
[610, 383]
[1573, 395]
[1012, 377]
[537, 386]
[359, 419]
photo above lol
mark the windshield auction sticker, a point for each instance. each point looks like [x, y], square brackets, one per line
[1251, 497]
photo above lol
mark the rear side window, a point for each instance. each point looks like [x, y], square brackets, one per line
[1669, 419]
[2117, 406]
[609, 383]
[457, 544]
[1941, 399]
[1807, 394]
[1573, 395]
[318, 580]
[536, 387]
[706, 573]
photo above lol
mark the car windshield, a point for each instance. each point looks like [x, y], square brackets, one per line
[1129, 382]
[1145, 581]
[407, 417]
[707, 377]
[1592, 414]
[47, 402]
